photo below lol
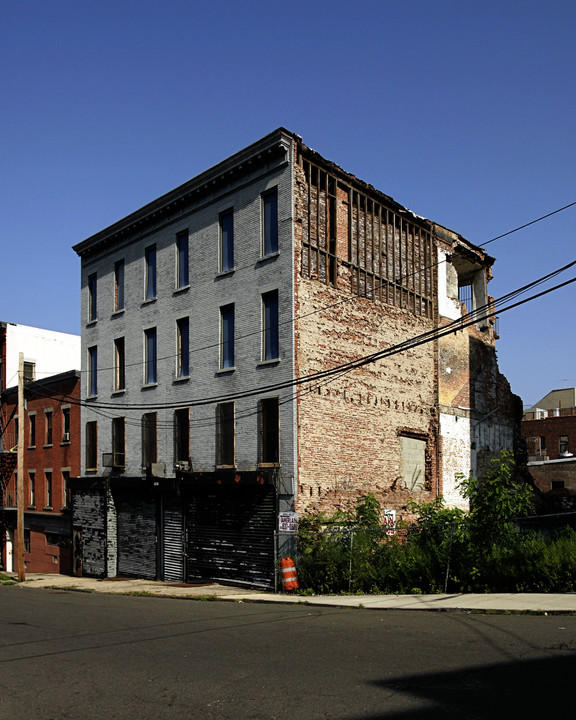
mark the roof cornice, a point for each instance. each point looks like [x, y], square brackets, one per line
[273, 147]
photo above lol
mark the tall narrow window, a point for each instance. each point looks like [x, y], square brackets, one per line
[92, 445]
[32, 479]
[48, 488]
[150, 356]
[269, 431]
[65, 425]
[32, 421]
[119, 442]
[48, 427]
[92, 297]
[183, 347]
[181, 435]
[149, 439]
[227, 336]
[119, 285]
[270, 348]
[563, 444]
[227, 241]
[65, 488]
[225, 434]
[182, 265]
[93, 371]
[119, 365]
[150, 256]
[270, 222]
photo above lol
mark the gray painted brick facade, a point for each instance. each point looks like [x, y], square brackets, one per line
[208, 290]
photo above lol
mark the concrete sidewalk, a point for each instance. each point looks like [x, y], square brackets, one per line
[497, 602]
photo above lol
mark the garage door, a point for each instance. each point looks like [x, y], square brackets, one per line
[136, 536]
[230, 535]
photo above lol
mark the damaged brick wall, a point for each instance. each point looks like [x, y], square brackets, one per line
[349, 429]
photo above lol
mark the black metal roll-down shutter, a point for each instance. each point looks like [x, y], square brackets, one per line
[173, 551]
[230, 535]
[136, 515]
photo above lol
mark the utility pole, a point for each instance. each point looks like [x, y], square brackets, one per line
[20, 471]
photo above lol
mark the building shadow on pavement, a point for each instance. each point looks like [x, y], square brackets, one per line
[538, 688]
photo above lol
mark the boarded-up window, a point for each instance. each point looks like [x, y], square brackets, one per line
[91, 445]
[413, 462]
[149, 439]
[225, 434]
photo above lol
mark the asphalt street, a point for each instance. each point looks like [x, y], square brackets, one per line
[88, 655]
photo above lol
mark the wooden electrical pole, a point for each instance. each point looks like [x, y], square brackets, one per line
[20, 475]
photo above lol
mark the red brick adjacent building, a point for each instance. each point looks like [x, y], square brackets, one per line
[549, 429]
[52, 456]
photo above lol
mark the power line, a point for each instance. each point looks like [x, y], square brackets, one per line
[376, 287]
[532, 222]
[482, 313]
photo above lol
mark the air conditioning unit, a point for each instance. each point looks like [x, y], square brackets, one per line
[113, 460]
[182, 465]
[66, 437]
[156, 470]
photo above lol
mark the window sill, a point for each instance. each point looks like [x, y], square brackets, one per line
[149, 301]
[48, 508]
[91, 397]
[64, 444]
[181, 290]
[225, 467]
[91, 323]
[48, 445]
[224, 273]
[149, 386]
[118, 312]
[31, 447]
[264, 363]
[271, 256]
[31, 507]
[116, 393]
[269, 465]
[226, 371]
[183, 379]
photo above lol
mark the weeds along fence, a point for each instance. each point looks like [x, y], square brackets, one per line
[533, 555]
[337, 559]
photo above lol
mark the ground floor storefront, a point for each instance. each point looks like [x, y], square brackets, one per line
[217, 527]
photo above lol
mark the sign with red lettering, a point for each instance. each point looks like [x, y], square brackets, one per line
[288, 522]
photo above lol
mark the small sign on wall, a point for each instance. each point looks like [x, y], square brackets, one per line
[288, 521]
[390, 522]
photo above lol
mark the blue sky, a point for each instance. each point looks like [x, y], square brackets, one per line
[462, 111]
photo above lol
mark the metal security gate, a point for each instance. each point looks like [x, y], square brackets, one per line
[136, 536]
[173, 536]
[230, 535]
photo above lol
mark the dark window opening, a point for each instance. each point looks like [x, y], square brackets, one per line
[119, 442]
[149, 439]
[181, 435]
[227, 241]
[270, 222]
[269, 431]
[91, 445]
[225, 434]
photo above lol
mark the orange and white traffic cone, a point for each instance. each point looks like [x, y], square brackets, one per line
[289, 577]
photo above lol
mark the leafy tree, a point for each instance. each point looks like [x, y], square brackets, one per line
[496, 501]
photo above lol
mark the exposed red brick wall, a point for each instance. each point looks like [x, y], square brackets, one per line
[348, 428]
